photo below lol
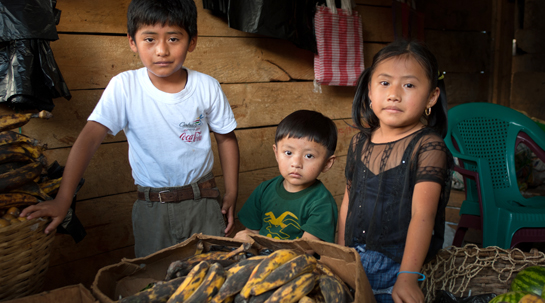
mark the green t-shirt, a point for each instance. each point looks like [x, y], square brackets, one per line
[279, 214]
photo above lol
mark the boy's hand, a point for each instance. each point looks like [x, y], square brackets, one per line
[406, 289]
[243, 235]
[229, 159]
[52, 208]
[228, 210]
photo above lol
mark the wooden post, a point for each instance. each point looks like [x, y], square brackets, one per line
[503, 18]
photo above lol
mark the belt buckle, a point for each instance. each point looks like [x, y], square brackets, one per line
[159, 194]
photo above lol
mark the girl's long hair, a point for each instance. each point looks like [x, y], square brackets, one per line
[363, 116]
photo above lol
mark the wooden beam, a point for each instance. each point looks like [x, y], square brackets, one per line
[108, 224]
[459, 15]
[503, 18]
[377, 23]
[458, 51]
[466, 87]
[84, 270]
[526, 99]
[103, 16]
[90, 61]
[108, 172]
[266, 104]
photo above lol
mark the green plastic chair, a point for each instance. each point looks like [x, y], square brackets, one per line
[484, 137]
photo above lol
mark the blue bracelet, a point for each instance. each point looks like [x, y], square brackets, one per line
[413, 272]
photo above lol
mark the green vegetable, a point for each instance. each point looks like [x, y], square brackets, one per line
[531, 279]
[509, 297]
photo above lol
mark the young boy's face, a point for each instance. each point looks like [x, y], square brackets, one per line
[163, 50]
[301, 161]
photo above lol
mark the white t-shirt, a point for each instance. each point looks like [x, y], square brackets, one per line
[168, 134]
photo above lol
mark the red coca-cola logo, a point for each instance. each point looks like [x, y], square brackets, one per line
[197, 136]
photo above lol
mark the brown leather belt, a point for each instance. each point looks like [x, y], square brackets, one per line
[183, 193]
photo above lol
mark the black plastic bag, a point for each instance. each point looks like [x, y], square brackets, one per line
[285, 19]
[447, 297]
[29, 19]
[71, 224]
[29, 75]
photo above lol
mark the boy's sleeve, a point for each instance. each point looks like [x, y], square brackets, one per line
[110, 109]
[220, 116]
[322, 221]
[250, 213]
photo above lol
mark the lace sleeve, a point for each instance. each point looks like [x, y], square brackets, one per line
[433, 161]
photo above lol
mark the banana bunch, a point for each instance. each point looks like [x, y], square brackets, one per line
[23, 166]
[282, 276]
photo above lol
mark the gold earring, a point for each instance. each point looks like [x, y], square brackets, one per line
[370, 104]
[428, 111]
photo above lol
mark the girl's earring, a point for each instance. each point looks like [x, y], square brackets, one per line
[370, 104]
[428, 111]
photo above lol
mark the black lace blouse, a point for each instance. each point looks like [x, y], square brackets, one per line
[380, 182]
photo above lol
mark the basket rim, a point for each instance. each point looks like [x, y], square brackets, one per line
[22, 224]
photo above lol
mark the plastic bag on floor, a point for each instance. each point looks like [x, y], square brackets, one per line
[447, 297]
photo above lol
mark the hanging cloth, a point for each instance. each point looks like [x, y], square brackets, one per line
[339, 41]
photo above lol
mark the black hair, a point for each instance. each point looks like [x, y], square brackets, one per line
[362, 115]
[182, 13]
[311, 125]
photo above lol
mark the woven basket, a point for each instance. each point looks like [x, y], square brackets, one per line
[24, 258]
[470, 270]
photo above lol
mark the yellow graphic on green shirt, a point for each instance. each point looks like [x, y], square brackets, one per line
[277, 225]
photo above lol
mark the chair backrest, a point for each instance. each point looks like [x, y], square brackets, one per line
[489, 131]
[485, 137]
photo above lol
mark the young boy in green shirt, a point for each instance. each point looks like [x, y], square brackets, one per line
[296, 204]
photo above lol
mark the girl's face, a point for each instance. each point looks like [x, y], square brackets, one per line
[400, 93]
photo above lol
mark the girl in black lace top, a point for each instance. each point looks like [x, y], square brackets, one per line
[398, 170]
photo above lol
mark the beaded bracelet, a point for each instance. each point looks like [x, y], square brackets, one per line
[413, 272]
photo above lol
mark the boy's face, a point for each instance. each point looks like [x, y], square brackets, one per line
[163, 50]
[301, 161]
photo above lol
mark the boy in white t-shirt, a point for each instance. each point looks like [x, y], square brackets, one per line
[167, 112]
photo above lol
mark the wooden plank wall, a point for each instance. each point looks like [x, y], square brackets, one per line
[264, 79]
[459, 34]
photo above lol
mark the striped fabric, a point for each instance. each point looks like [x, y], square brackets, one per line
[340, 47]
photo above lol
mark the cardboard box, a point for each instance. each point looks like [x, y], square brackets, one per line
[68, 294]
[131, 275]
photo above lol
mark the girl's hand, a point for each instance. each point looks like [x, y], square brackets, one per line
[406, 289]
